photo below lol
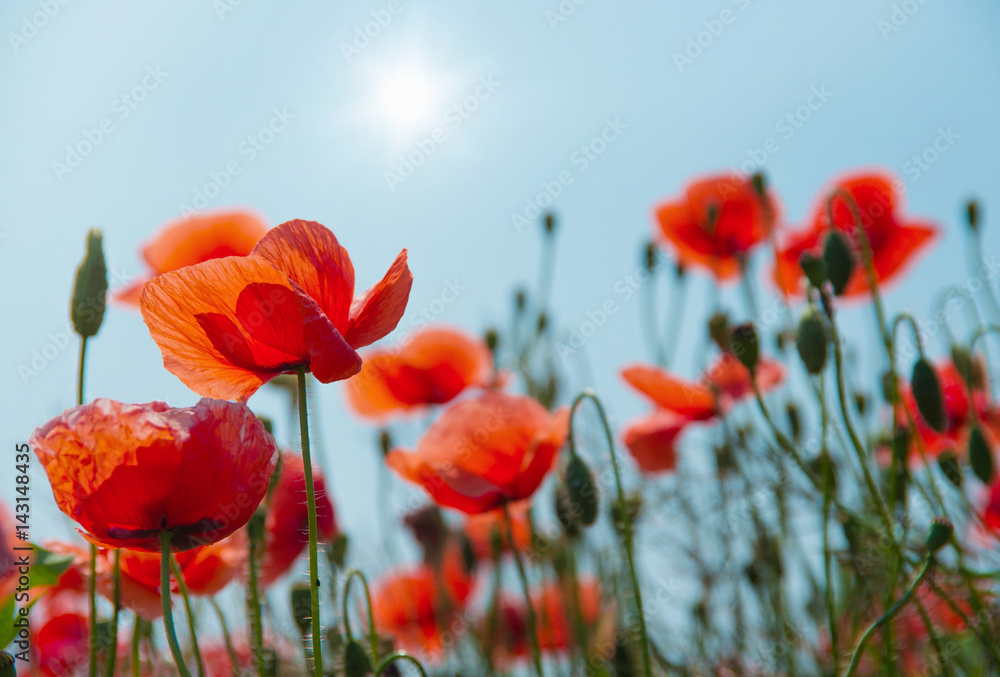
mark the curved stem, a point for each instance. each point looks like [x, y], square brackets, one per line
[887, 616]
[372, 634]
[536, 652]
[623, 507]
[116, 598]
[317, 627]
[226, 637]
[399, 656]
[182, 584]
[168, 619]
[907, 318]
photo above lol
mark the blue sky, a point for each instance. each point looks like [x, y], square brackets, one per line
[175, 97]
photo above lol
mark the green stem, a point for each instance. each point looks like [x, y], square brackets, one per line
[626, 521]
[226, 637]
[92, 585]
[168, 619]
[829, 596]
[317, 627]
[116, 598]
[136, 636]
[182, 584]
[79, 377]
[990, 645]
[536, 652]
[253, 600]
[399, 656]
[887, 616]
[372, 633]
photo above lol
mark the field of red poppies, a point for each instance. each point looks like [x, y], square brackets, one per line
[838, 522]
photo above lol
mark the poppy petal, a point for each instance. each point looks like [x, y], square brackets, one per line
[377, 312]
[200, 238]
[691, 400]
[651, 441]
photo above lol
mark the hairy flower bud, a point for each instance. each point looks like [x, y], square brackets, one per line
[838, 260]
[980, 455]
[745, 345]
[90, 289]
[939, 534]
[811, 340]
[927, 393]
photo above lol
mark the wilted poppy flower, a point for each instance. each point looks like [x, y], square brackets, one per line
[487, 528]
[651, 440]
[417, 606]
[894, 240]
[193, 240]
[433, 367]
[286, 528]
[715, 223]
[127, 472]
[227, 326]
[484, 452]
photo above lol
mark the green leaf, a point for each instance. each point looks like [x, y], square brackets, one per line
[48, 567]
[7, 612]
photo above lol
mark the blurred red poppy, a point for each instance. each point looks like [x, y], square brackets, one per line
[127, 472]
[60, 646]
[193, 240]
[651, 440]
[484, 452]
[286, 528]
[416, 607]
[894, 241]
[433, 367]
[487, 528]
[716, 223]
[227, 326]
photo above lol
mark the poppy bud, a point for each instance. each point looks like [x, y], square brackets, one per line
[811, 340]
[492, 339]
[927, 393]
[743, 343]
[939, 534]
[468, 553]
[972, 214]
[356, 660]
[649, 257]
[794, 422]
[860, 403]
[520, 300]
[550, 223]
[900, 445]
[338, 550]
[429, 530]
[7, 665]
[679, 270]
[564, 511]
[838, 260]
[759, 182]
[718, 329]
[820, 465]
[543, 322]
[385, 441]
[967, 367]
[814, 268]
[581, 489]
[889, 383]
[633, 505]
[950, 468]
[980, 455]
[301, 607]
[90, 289]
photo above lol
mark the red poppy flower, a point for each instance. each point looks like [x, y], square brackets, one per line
[418, 605]
[716, 223]
[484, 529]
[227, 326]
[433, 367]
[60, 646]
[651, 440]
[127, 472]
[894, 241]
[484, 452]
[194, 240]
[286, 528]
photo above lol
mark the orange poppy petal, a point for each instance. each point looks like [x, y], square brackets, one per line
[310, 255]
[651, 441]
[377, 312]
[895, 252]
[368, 391]
[131, 294]
[200, 238]
[452, 489]
[691, 400]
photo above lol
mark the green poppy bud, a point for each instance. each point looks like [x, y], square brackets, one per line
[7, 668]
[927, 393]
[385, 441]
[950, 467]
[550, 223]
[301, 607]
[814, 268]
[356, 660]
[980, 455]
[338, 550]
[90, 289]
[520, 300]
[972, 214]
[743, 343]
[581, 489]
[811, 340]
[564, 511]
[718, 329]
[838, 260]
[492, 339]
[939, 534]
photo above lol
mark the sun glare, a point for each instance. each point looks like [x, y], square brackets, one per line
[405, 99]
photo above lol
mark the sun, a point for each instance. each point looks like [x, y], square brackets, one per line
[406, 98]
